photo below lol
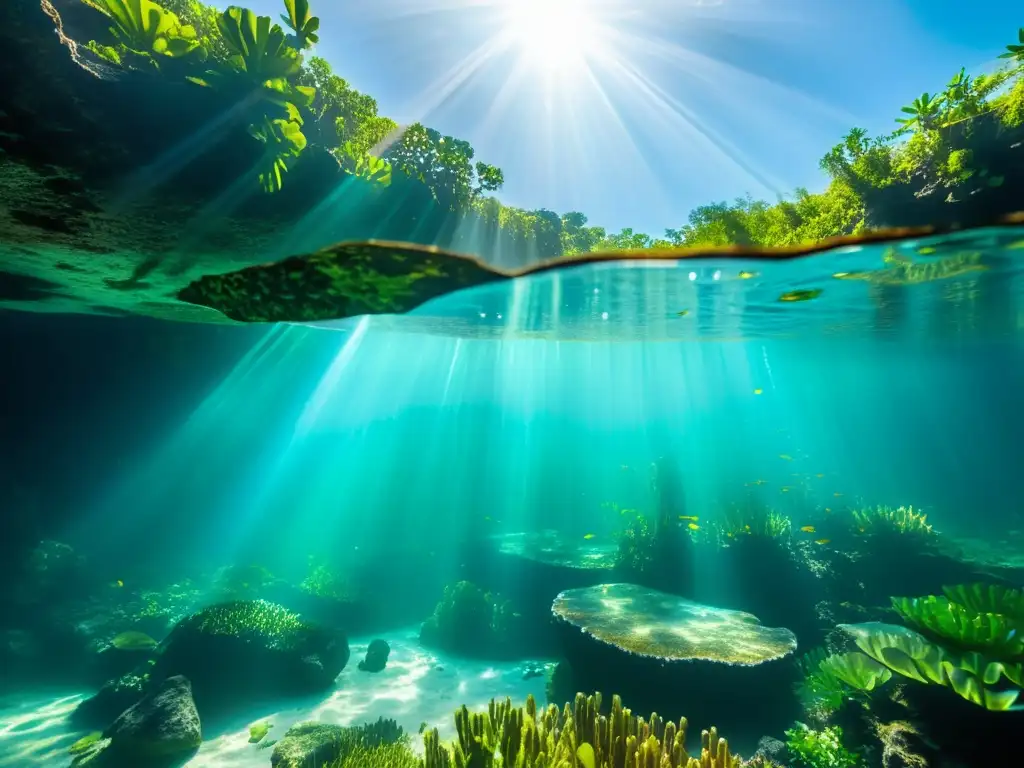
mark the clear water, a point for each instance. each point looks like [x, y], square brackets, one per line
[393, 455]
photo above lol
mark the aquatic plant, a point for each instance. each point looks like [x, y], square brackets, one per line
[828, 680]
[903, 521]
[636, 546]
[469, 620]
[243, 618]
[896, 751]
[575, 735]
[324, 581]
[755, 520]
[821, 693]
[398, 755]
[962, 627]
[990, 683]
[328, 744]
[819, 749]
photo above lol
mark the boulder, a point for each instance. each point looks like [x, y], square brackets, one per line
[376, 656]
[161, 729]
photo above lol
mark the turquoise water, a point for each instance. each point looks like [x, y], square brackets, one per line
[351, 470]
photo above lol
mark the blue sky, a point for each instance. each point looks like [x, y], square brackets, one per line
[681, 103]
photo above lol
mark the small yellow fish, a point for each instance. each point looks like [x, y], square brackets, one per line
[837, 494]
[118, 583]
[589, 536]
[823, 541]
[695, 518]
[820, 475]
[927, 250]
[585, 754]
[744, 275]
[828, 510]
[785, 489]
[807, 528]
[758, 391]
[785, 457]
[802, 295]
[682, 313]
[759, 482]
[693, 527]
[487, 518]
[746, 528]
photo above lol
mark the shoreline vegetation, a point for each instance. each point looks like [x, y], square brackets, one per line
[934, 150]
[174, 140]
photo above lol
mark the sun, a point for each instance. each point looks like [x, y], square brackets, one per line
[555, 35]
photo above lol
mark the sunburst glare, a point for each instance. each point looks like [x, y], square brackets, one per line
[557, 36]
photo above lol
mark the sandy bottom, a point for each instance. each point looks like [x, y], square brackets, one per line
[418, 686]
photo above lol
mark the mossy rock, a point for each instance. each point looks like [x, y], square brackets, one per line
[251, 650]
[113, 698]
[312, 745]
[472, 622]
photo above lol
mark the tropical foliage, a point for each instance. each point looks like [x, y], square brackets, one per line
[300, 103]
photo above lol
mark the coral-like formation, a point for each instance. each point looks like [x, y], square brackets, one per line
[655, 624]
[470, 621]
[577, 735]
[903, 521]
[550, 547]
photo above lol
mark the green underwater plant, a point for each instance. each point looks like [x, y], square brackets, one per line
[396, 755]
[577, 735]
[961, 627]
[828, 680]
[903, 521]
[819, 749]
[469, 620]
[987, 682]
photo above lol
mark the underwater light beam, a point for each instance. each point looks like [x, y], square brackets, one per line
[330, 380]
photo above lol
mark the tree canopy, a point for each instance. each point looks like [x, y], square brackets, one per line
[304, 103]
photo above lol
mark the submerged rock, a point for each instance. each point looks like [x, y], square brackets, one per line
[312, 745]
[162, 729]
[233, 654]
[113, 698]
[661, 626]
[240, 651]
[376, 656]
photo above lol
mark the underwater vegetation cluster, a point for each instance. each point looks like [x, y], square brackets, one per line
[574, 736]
[791, 631]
